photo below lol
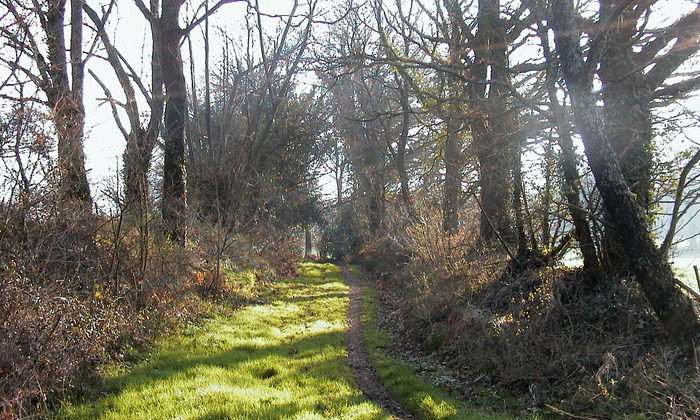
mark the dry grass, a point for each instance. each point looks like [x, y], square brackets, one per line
[537, 340]
[551, 344]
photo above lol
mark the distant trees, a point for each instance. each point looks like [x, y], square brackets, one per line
[256, 137]
[481, 86]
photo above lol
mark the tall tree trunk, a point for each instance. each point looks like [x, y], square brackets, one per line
[518, 196]
[375, 184]
[494, 185]
[143, 147]
[628, 89]
[627, 117]
[399, 154]
[308, 245]
[339, 174]
[140, 141]
[571, 184]
[400, 159]
[492, 130]
[650, 267]
[365, 150]
[452, 185]
[174, 193]
[626, 100]
[66, 98]
[453, 124]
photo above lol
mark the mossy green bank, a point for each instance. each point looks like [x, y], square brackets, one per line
[282, 359]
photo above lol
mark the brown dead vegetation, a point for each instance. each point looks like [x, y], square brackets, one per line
[72, 298]
[536, 341]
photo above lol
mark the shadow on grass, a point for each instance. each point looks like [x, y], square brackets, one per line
[282, 360]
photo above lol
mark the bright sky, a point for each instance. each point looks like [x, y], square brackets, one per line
[129, 31]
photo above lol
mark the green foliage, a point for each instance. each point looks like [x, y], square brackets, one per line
[342, 233]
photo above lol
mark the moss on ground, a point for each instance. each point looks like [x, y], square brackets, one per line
[284, 359]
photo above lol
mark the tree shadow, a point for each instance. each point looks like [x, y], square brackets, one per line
[314, 362]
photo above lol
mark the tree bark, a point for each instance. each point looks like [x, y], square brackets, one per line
[67, 100]
[494, 125]
[571, 184]
[628, 92]
[453, 124]
[375, 186]
[452, 185]
[174, 192]
[400, 153]
[308, 245]
[650, 267]
[518, 201]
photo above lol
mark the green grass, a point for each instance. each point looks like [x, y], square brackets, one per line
[285, 359]
[407, 386]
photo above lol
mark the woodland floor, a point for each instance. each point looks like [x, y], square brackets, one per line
[308, 348]
[283, 357]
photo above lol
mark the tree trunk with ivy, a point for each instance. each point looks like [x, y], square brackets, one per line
[174, 192]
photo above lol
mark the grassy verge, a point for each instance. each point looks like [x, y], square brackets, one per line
[408, 387]
[281, 359]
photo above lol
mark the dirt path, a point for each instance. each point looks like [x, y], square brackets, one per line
[366, 377]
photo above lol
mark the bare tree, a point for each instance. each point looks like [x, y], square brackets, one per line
[570, 173]
[648, 263]
[59, 77]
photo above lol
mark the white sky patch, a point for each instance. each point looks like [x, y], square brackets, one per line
[131, 35]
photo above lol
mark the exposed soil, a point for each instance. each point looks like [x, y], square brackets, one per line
[358, 359]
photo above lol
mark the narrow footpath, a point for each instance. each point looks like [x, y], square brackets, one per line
[359, 361]
[283, 357]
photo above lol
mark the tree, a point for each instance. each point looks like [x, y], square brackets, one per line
[168, 69]
[360, 101]
[570, 174]
[471, 92]
[174, 190]
[493, 132]
[248, 117]
[353, 94]
[648, 263]
[60, 79]
[629, 90]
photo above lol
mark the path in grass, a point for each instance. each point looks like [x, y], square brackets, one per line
[366, 376]
[284, 359]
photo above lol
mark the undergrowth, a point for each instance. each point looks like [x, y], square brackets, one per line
[540, 341]
[525, 336]
[78, 291]
[416, 391]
